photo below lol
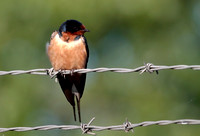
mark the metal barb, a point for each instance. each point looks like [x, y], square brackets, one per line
[127, 126]
[85, 127]
[147, 68]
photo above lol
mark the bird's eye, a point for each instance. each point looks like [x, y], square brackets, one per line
[75, 28]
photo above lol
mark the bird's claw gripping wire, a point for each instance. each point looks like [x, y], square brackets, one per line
[52, 73]
[72, 72]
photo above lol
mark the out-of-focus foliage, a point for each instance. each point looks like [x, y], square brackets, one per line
[123, 34]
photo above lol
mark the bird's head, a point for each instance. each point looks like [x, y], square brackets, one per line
[73, 27]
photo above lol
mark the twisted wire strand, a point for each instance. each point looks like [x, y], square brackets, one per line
[149, 67]
[89, 129]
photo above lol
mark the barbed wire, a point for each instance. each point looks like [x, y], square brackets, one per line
[89, 129]
[149, 67]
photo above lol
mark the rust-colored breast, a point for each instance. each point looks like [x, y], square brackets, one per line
[67, 55]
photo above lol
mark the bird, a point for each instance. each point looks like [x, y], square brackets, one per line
[68, 50]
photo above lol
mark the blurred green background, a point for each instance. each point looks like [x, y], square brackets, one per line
[123, 34]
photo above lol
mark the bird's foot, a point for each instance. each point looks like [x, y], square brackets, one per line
[72, 72]
[62, 72]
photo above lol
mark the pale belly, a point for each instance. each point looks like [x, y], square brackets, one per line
[64, 57]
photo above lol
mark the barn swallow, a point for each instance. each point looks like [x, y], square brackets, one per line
[68, 50]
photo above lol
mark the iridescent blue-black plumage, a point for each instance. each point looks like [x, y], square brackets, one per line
[72, 26]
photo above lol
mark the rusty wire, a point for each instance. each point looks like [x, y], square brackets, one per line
[146, 68]
[89, 129]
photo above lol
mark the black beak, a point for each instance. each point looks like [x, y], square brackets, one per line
[86, 30]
